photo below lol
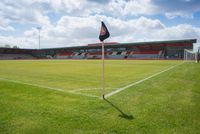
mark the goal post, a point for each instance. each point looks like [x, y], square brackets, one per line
[190, 55]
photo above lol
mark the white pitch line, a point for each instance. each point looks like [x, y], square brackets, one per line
[51, 88]
[84, 89]
[140, 81]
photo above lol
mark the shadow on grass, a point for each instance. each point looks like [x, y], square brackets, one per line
[122, 114]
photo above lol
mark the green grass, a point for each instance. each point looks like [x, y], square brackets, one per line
[75, 75]
[167, 103]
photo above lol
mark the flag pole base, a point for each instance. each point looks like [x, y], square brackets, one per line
[103, 97]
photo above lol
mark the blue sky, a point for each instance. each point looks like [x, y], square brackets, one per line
[77, 22]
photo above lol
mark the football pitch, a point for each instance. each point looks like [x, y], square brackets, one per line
[64, 96]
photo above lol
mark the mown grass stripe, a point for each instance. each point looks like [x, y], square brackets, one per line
[47, 87]
[140, 81]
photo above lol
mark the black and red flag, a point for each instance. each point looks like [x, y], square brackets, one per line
[104, 33]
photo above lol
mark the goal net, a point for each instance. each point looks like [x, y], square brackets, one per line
[190, 55]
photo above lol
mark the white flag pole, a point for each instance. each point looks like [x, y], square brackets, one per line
[103, 69]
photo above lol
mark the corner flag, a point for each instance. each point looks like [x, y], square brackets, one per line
[104, 34]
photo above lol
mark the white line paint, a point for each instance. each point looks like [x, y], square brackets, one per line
[84, 89]
[140, 81]
[47, 87]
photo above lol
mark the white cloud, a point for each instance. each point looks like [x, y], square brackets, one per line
[4, 24]
[18, 41]
[172, 15]
[170, 9]
[181, 8]
[140, 7]
[179, 32]
[71, 31]
[67, 5]
[76, 7]
[22, 12]
[79, 22]
[74, 31]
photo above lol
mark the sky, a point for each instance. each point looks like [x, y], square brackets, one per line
[77, 22]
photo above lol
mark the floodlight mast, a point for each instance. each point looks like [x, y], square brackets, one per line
[39, 29]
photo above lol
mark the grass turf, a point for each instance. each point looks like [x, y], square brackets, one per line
[81, 74]
[167, 103]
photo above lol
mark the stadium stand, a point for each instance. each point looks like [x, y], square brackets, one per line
[15, 56]
[15, 53]
[173, 49]
[63, 55]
